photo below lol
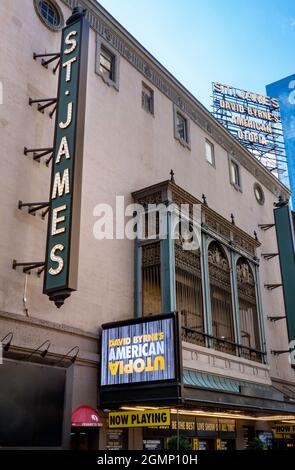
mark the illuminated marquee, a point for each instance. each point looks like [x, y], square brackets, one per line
[62, 251]
[138, 352]
[252, 118]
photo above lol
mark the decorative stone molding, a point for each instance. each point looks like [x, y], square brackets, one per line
[168, 191]
[216, 225]
[151, 254]
[245, 281]
[212, 361]
[189, 261]
[219, 268]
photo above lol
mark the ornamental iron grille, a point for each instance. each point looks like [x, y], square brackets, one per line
[247, 306]
[189, 292]
[221, 300]
[151, 279]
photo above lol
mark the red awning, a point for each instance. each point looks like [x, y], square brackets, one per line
[84, 416]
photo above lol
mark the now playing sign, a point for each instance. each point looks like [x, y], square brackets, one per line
[62, 249]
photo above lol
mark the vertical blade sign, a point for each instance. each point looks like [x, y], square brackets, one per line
[62, 248]
[286, 247]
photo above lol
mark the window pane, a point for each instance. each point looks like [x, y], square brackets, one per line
[235, 173]
[147, 99]
[181, 127]
[209, 152]
[107, 63]
[49, 13]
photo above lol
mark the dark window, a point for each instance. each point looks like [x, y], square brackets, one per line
[247, 305]
[181, 127]
[49, 13]
[221, 301]
[147, 99]
[151, 279]
[107, 63]
[189, 299]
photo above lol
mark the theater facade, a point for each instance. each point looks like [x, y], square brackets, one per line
[121, 341]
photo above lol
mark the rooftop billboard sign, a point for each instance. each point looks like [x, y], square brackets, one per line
[254, 120]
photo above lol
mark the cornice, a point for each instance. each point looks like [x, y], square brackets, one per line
[168, 191]
[46, 324]
[131, 50]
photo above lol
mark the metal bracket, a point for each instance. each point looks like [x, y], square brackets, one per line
[44, 213]
[265, 227]
[269, 256]
[27, 267]
[39, 153]
[272, 286]
[45, 62]
[7, 345]
[33, 207]
[71, 358]
[274, 319]
[48, 102]
[280, 351]
[42, 353]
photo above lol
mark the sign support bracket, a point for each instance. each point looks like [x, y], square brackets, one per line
[33, 207]
[46, 61]
[269, 256]
[272, 286]
[27, 267]
[275, 318]
[266, 227]
[39, 153]
[48, 102]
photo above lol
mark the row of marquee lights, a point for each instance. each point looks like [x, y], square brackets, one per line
[218, 414]
[248, 110]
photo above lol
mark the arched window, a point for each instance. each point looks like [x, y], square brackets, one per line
[189, 292]
[247, 305]
[221, 301]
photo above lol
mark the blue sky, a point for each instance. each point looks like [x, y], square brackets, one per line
[246, 43]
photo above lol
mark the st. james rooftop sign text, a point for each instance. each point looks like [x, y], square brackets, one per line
[252, 118]
[62, 249]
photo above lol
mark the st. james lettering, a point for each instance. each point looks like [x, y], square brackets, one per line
[62, 251]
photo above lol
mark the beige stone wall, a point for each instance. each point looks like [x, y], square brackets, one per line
[126, 149]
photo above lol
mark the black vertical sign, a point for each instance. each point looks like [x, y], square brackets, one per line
[286, 247]
[62, 248]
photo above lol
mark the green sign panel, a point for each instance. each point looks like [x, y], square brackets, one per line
[62, 249]
[286, 246]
